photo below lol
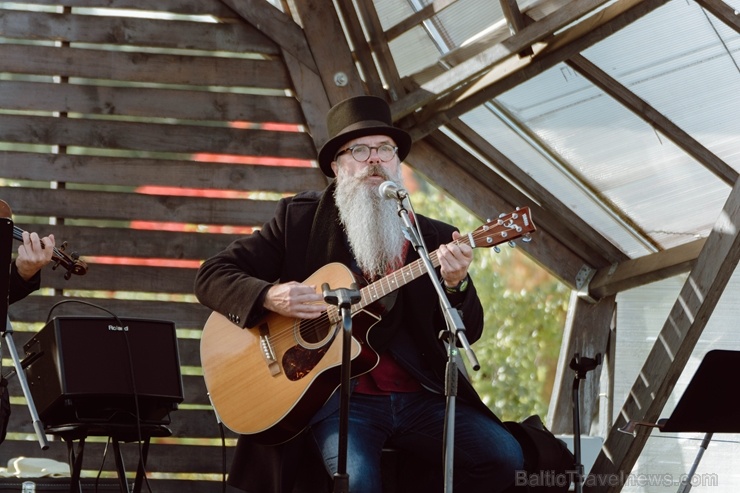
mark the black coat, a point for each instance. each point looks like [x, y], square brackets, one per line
[304, 235]
[20, 288]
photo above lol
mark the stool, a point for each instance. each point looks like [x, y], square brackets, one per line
[118, 433]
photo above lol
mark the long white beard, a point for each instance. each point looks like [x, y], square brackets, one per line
[372, 223]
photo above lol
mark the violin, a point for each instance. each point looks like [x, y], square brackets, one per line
[71, 263]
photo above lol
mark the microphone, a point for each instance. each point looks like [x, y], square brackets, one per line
[389, 190]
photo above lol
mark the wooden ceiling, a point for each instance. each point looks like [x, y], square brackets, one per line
[335, 59]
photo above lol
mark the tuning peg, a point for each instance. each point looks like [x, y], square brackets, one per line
[512, 244]
[496, 249]
[527, 238]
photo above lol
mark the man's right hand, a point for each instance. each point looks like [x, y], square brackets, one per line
[295, 300]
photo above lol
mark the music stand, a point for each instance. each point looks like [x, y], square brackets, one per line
[702, 408]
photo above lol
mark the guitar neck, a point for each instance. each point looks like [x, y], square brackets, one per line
[17, 233]
[504, 229]
[386, 285]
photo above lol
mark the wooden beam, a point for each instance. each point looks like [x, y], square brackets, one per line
[137, 172]
[471, 69]
[312, 97]
[653, 117]
[587, 332]
[514, 17]
[382, 56]
[566, 225]
[361, 50]
[417, 18]
[511, 71]
[644, 270]
[723, 12]
[278, 26]
[332, 55]
[515, 20]
[474, 192]
[673, 347]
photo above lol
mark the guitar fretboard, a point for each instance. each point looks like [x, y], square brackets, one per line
[386, 285]
[506, 228]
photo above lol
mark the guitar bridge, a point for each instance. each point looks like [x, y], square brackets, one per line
[267, 351]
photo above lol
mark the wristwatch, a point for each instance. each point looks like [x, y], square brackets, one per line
[460, 288]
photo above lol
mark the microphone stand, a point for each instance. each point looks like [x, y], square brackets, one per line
[581, 366]
[455, 328]
[6, 246]
[344, 299]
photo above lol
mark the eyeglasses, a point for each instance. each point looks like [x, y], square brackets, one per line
[361, 152]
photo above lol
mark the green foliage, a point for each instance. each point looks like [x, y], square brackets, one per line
[525, 310]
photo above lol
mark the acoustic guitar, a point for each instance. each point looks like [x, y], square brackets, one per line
[267, 381]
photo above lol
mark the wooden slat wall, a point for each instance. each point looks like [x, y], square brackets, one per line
[150, 138]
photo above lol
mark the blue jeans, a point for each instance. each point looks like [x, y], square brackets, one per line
[486, 456]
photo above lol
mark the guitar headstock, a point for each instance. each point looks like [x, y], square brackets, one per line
[506, 228]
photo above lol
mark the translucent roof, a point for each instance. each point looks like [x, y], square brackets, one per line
[619, 173]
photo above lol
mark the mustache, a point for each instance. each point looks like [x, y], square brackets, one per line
[375, 170]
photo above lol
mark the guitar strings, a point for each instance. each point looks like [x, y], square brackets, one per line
[330, 318]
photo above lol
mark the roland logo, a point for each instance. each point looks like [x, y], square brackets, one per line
[117, 328]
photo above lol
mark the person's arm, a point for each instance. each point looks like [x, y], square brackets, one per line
[25, 272]
[240, 282]
[454, 262]
[33, 254]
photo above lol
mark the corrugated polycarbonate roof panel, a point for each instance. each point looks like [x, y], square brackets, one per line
[422, 46]
[551, 174]
[462, 27]
[685, 62]
[668, 196]
[624, 177]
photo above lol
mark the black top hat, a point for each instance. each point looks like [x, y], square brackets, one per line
[356, 117]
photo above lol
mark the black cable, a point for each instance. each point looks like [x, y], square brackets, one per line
[102, 464]
[223, 456]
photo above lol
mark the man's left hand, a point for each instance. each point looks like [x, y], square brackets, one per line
[33, 254]
[454, 261]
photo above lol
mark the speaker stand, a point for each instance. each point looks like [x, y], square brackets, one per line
[118, 433]
[38, 426]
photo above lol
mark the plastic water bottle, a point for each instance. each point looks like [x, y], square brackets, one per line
[28, 487]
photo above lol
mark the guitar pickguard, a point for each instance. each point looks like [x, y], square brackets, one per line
[314, 338]
[299, 361]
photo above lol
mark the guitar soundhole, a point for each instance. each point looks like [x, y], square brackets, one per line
[314, 338]
[314, 331]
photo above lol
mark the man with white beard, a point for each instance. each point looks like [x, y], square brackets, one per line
[398, 400]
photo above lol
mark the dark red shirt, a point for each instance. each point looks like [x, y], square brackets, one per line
[387, 377]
